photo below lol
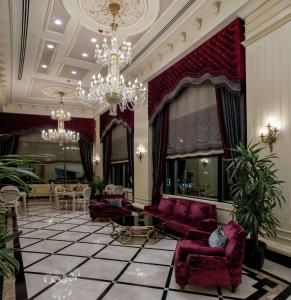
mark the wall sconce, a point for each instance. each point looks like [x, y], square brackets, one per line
[204, 162]
[140, 152]
[96, 159]
[268, 135]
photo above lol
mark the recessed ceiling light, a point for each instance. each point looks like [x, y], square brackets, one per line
[50, 46]
[93, 40]
[74, 72]
[44, 66]
[58, 22]
[84, 54]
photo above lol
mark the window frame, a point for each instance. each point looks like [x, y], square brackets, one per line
[221, 178]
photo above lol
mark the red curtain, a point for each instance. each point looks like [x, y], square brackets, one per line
[221, 55]
[160, 142]
[22, 123]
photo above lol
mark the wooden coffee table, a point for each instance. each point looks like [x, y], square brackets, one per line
[136, 229]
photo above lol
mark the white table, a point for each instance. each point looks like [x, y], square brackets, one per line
[71, 194]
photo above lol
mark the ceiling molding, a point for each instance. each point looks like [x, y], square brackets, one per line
[24, 26]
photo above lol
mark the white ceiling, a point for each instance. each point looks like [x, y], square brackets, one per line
[162, 31]
[47, 70]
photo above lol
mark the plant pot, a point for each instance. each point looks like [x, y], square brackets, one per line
[254, 256]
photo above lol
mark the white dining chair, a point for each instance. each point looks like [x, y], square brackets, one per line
[60, 197]
[85, 198]
[117, 190]
[22, 194]
[109, 188]
[9, 199]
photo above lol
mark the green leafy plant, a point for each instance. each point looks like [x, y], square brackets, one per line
[98, 185]
[256, 190]
[9, 170]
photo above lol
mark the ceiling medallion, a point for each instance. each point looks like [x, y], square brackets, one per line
[112, 89]
[60, 135]
[130, 10]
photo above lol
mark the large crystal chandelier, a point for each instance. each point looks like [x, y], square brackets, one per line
[112, 88]
[60, 135]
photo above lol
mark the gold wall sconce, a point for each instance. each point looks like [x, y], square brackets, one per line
[204, 162]
[140, 152]
[269, 135]
[96, 159]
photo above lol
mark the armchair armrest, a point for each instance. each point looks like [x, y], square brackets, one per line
[207, 262]
[198, 235]
[97, 205]
[185, 251]
[208, 225]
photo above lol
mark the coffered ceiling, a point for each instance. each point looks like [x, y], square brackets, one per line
[60, 44]
[48, 45]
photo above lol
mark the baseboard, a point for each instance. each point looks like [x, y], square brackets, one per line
[278, 258]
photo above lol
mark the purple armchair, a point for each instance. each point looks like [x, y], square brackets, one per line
[197, 263]
[102, 210]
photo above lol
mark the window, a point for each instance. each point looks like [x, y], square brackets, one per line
[64, 165]
[120, 175]
[196, 177]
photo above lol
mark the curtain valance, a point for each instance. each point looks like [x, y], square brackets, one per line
[22, 123]
[125, 118]
[220, 60]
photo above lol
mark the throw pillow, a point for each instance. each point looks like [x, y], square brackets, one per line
[198, 211]
[116, 202]
[166, 205]
[217, 238]
[181, 208]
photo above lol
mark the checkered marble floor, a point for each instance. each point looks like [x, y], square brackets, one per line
[66, 256]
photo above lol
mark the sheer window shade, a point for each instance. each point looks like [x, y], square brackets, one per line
[193, 123]
[119, 144]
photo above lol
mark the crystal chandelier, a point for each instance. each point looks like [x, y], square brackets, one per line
[60, 135]
[112, 88]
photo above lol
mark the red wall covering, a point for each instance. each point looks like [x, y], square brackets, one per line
[22, 123]
[220, 55]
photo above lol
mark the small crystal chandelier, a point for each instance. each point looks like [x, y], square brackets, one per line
[60, 135]
[113, 89]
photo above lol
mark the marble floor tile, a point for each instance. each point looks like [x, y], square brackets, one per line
[97, 238]
[36, 225]
[105, 230]
[28, 257]
[47, 246]
[155, 256]
[117, 252]
[145, 274]
[56, 264]
[26, 230]
[70, 236]
[278, 270]
[26, 242]
[35, 283]
[75, 221]
[55, 219]
[85, 228]
[61, 226]
[82, 249]
[101, 269]
[41, 234]
[184, 296]
[80, 289]
[163, 244]
[125, 292]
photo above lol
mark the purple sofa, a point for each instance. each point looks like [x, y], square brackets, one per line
[182, 215]
[101, 209]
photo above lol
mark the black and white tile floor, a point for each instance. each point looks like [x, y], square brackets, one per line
[66, 256]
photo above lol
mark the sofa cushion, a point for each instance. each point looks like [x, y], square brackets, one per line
[179, 227]
[166, 205]
[115, 202]
[182, 208]
[198, 211]
[217, 238]
[155, 213]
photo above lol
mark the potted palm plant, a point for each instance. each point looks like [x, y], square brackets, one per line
[256, 190]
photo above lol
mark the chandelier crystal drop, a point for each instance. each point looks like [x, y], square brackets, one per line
[112, 88]
[60, 135]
